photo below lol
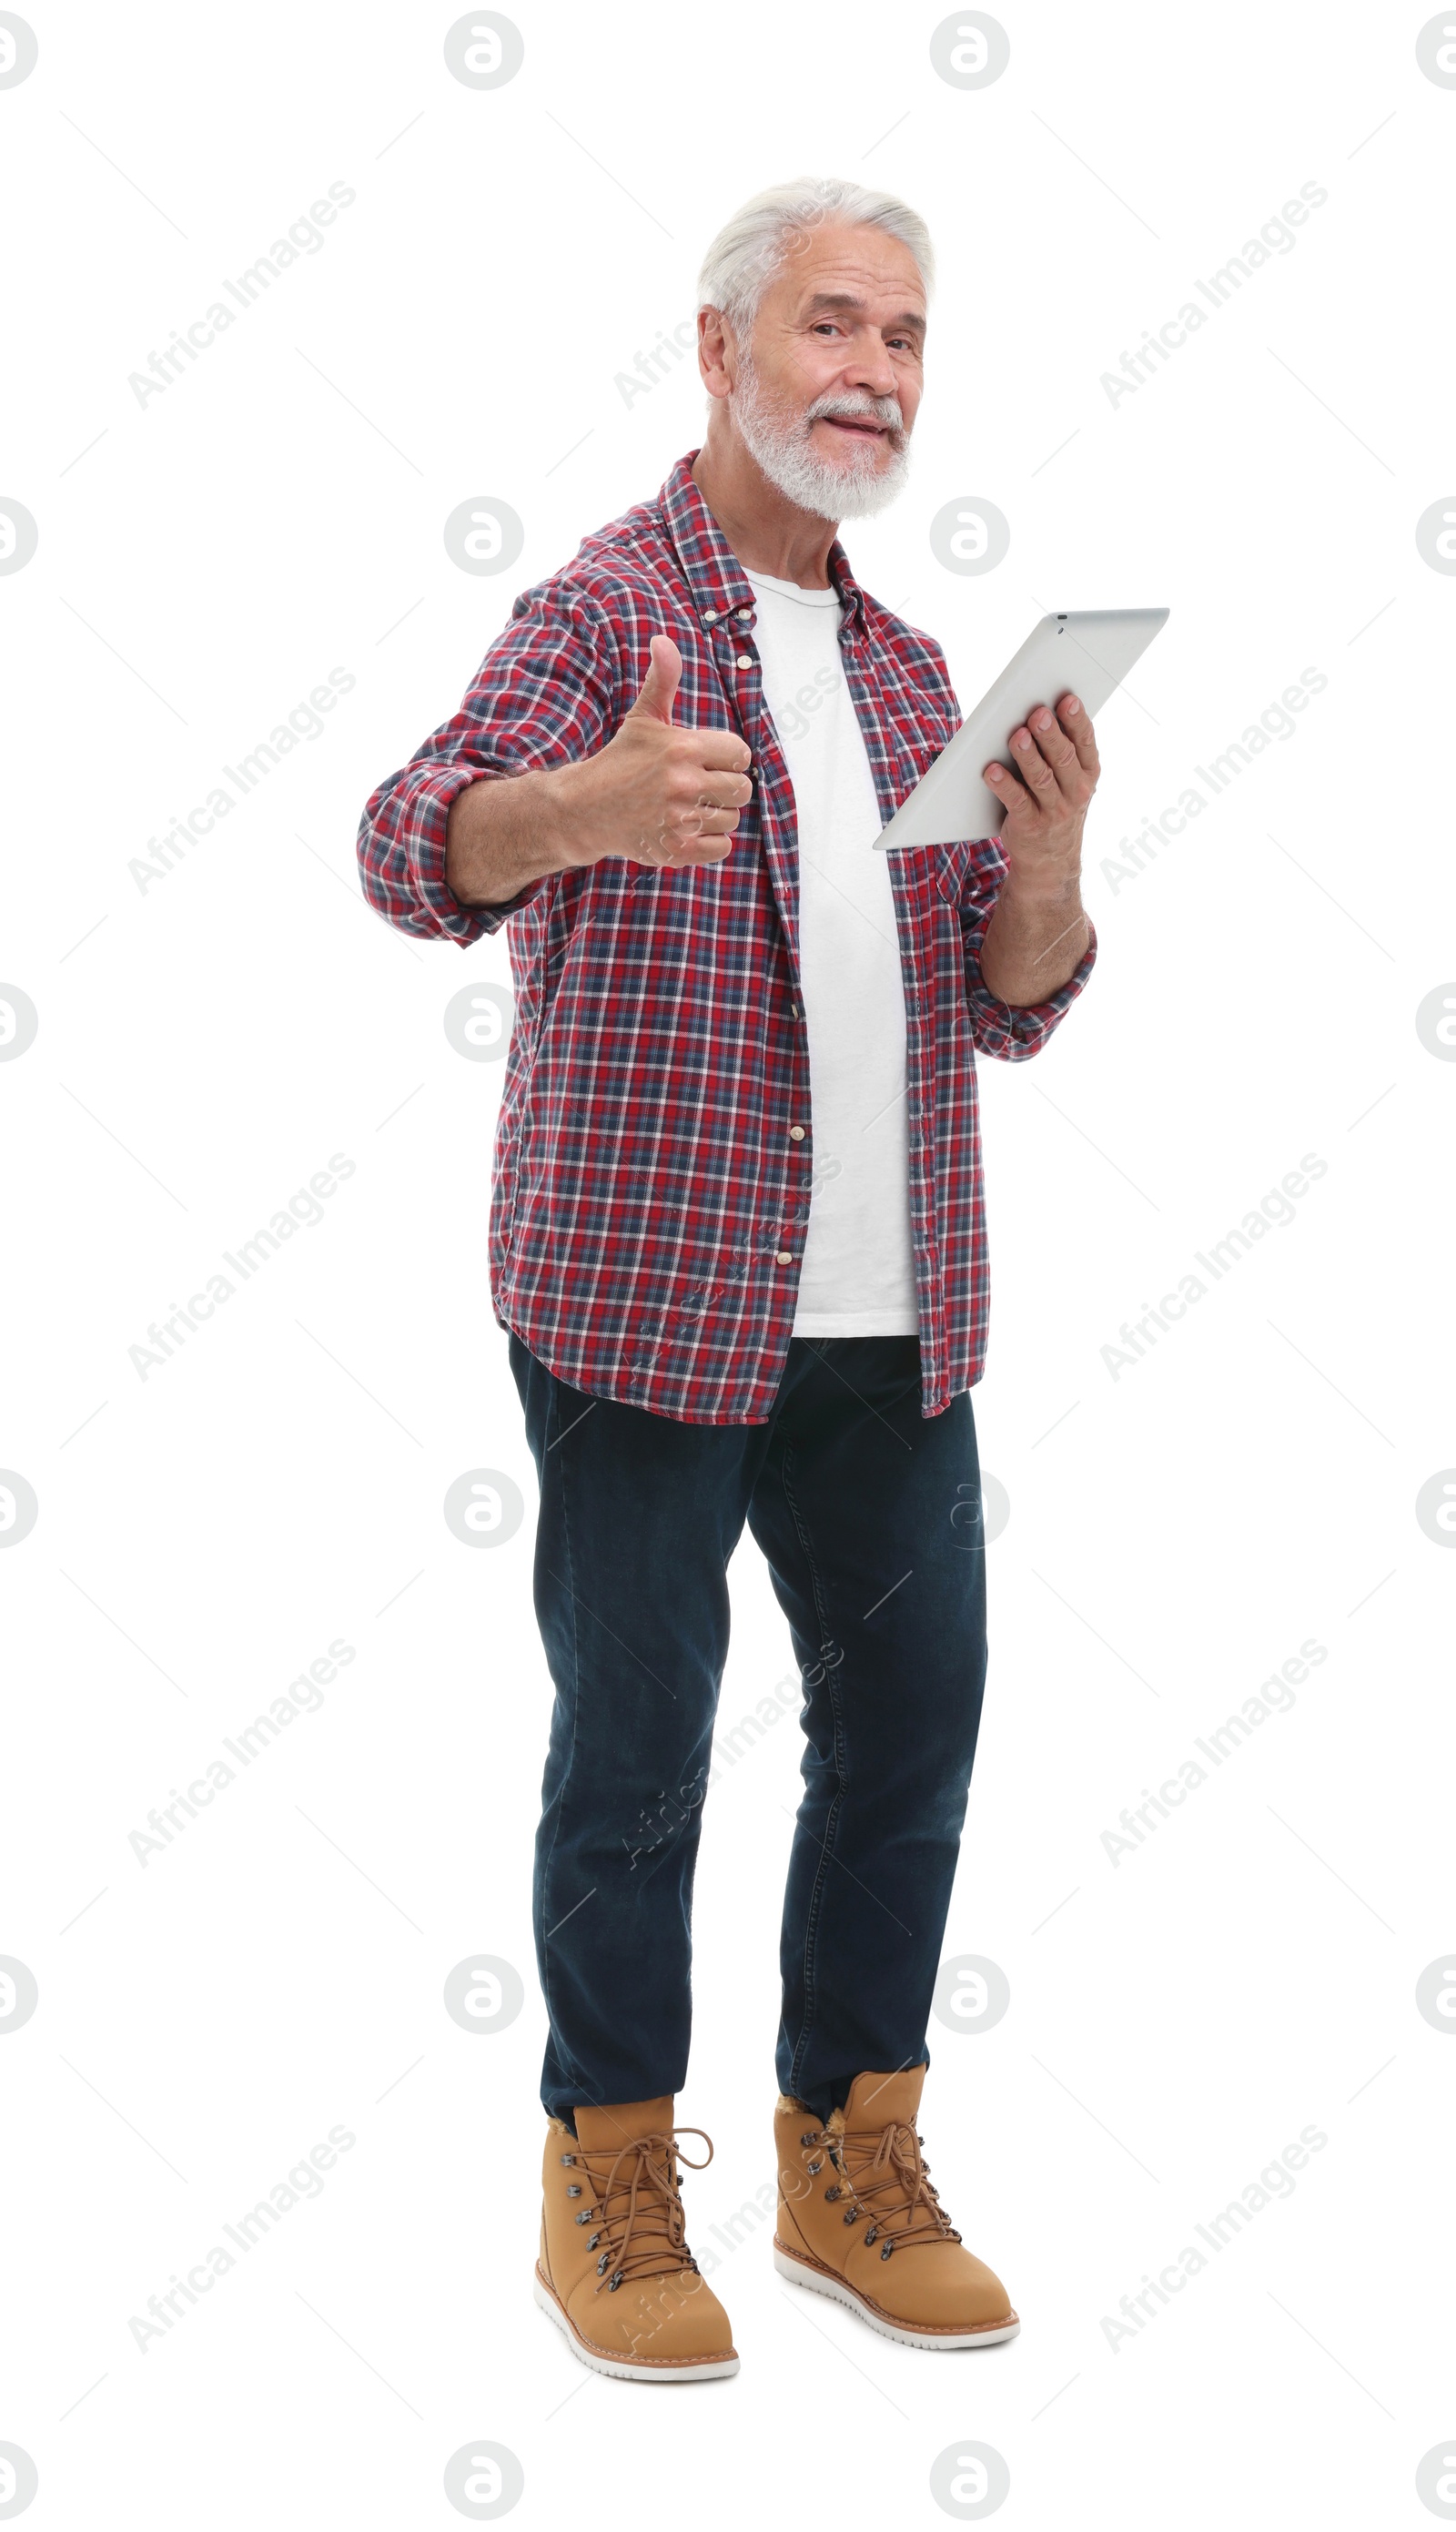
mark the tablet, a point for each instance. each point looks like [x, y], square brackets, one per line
[1086, 654]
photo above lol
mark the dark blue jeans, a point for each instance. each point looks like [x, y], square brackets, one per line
[869, 1517]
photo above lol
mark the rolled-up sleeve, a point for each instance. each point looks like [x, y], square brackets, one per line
[545, 694]
[1012, 1031]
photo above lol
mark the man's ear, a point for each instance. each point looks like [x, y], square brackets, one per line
[717, 353]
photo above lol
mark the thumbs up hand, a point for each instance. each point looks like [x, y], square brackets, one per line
[657, 793]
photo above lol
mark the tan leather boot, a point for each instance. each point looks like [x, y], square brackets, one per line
[615, 2273]
[859, 2220]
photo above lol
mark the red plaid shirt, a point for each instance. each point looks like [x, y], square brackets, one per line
[649, 1205]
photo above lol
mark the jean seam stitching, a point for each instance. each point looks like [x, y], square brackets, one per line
[811, 1918]
[554, 1409]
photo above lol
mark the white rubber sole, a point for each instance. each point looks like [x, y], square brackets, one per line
[620, 2368]
[800, 2274]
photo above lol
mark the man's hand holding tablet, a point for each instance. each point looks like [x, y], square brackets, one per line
[1036, 795]
[1052, 774]
[1041, 933]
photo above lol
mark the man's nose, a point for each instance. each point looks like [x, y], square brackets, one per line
[871, 373]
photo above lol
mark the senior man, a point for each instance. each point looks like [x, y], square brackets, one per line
[737, 1239]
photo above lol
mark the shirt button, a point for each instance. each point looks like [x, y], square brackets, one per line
[711, 615]
[744, 614]
[794, 1013]
[785, 1257]
[745, 660]
[795, 1134]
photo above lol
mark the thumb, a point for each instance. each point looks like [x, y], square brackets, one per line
[660, 683]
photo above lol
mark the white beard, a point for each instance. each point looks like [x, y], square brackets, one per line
[783, 447]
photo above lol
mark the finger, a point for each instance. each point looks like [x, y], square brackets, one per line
[692, 849]
[660, 684]
[1078, 727]
[690, 794]
[722, 751]
[703, 821]
[675, 850]
[1060, 754]
[1006, 784]
[724, 791]
[1032, 765]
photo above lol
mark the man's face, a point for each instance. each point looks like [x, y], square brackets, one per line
[825, 394]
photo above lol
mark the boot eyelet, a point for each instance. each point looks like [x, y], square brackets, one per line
[574, 2189]
[568, 2158]
[604, 2263]
[616, 2281]
[853, 2215]
[832, 2194]
[888, 2248]
[596, 2238]
[810, 2138]
[815, 2167]
[584, 2217]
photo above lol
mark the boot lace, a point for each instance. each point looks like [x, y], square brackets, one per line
[884, 2173]
[637, 2208]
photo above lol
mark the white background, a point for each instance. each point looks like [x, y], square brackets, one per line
[206, 1044]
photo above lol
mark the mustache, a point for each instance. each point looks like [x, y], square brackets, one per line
[885, 410]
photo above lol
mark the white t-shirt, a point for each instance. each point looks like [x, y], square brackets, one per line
[858, 1276]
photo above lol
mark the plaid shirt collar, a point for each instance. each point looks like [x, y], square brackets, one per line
[720, 592]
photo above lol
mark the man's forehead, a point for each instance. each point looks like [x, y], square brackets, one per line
[875, 276]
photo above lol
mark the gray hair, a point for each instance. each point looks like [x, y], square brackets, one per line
[750, 248]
